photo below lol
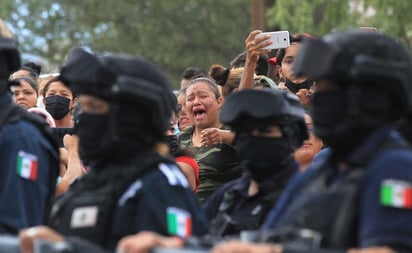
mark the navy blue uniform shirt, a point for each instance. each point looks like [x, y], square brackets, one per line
[154, 201]
[382, 217]
[160, 200]
[248, 212]
[26, 161]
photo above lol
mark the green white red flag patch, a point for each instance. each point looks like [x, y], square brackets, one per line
[179, 222]
[396, 193]
[27, 165]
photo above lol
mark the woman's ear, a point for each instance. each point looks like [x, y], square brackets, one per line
[280, 72]
[73, 103]
[220, 101]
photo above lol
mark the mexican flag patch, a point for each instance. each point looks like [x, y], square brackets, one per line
[27, 165]
[396, 193]
[179, 222]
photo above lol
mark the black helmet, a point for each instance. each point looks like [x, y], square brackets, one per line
[9, 56]
[130, 83]
[252, 108]
[362, 59]
[372, 74]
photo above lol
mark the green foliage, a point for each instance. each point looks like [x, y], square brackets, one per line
[315, 16]
[323, 16]
[179, 33]
[173, 34]
[392, 17]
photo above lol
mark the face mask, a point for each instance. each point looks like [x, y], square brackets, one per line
[113, 137]
[295, 87]
[57, 106]
[92, 130]
[176, 130]
[329, 112]
[262, 156]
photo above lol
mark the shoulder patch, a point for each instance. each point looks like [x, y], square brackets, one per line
[396, 193]
[173, 174]
[179, 222]
[27, 165]
[84, 217]
[130, 192]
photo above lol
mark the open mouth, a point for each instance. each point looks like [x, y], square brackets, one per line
[199, 114]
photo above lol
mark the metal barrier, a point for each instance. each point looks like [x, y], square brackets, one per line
[182, 250]
[193, 250]
[9, 244]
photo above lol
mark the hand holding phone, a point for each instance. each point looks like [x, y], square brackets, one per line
[280, 39]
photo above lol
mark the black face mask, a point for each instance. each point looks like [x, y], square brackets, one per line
[92, 130]
[57, 106]
[262, 156]
[295, 87]
[113, 137]
[329, 112]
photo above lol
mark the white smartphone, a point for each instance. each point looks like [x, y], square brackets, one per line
[280, 39]
[369, 29]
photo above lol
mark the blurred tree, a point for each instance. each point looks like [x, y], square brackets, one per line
[322, 16]
[315, 16]
[391, 16]
[174, 34]
[179, 33]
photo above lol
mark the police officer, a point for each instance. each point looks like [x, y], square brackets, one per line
[126, 105]
[29, 158]
[269, 125]
[359, 195]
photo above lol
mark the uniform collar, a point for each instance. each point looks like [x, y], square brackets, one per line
[242, 184]
[276, 181]
[373, 143]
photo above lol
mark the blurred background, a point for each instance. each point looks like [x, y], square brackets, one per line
[181, 33]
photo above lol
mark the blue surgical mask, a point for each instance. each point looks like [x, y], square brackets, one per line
[176, 130]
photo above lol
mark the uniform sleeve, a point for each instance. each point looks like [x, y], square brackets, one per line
[25, 164]
[212, 204]
[169, 207]
[386, 207]
[291, 191]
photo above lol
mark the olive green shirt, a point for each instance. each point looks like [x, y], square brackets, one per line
[218, 164]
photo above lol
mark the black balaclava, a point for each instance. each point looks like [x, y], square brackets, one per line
[91, 129]
[262, 156]
[245, 111]
[114, 136]
[329, 114]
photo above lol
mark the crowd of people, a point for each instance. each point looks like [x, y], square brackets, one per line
[105, 157]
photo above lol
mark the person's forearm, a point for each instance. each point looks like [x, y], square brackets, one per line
[74, 170]
[246, 82]
[227, 136]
